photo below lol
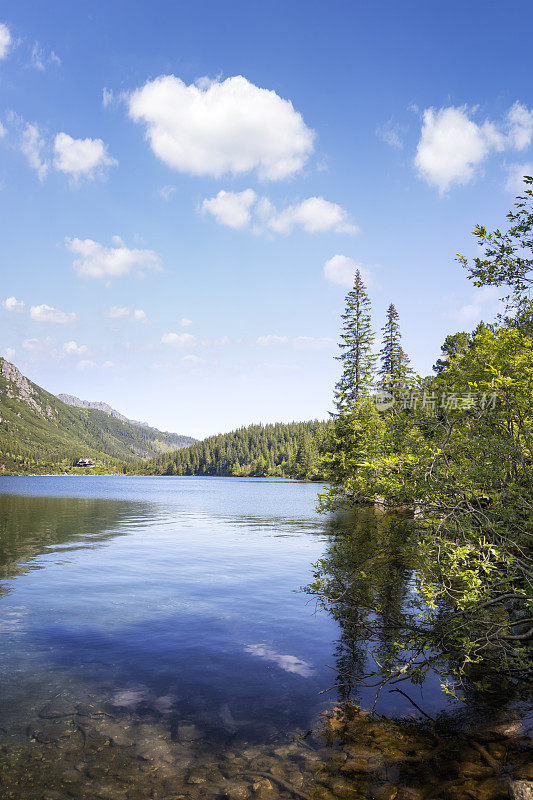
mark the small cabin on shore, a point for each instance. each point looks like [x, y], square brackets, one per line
[85, 462]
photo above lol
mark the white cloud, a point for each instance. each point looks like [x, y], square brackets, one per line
[12, 304]
[98, 261]
[191, 359]
[115, 312]
[30, 344]
[9, 353]
[485, 300]
[44, 313]
[515, 176]
[231, 208]
[81, 157]
[166, 192]
[32, 145]
[341, 269]
[118, 312]
[85, 363]
[185, 322]
[108, 365]
[108, 97]
[520, 121]
[74, 349]
[391, 134]
[217, 127]
[270, 340]
[5, 40]
[3, 131]
[452, 145]
[314, 215]
[40, 59]
[179, 339]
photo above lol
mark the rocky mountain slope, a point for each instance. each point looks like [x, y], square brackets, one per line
[96, 405]
[40, 433]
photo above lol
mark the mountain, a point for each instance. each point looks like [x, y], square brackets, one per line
[39, 432]
[288, 450]
[96, 405]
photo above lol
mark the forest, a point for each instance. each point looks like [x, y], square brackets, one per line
[291, 450]
[453, 454]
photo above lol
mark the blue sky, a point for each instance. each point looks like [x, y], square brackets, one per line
[186, 189]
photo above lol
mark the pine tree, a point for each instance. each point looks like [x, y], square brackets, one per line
[358, 360]
[394, 369]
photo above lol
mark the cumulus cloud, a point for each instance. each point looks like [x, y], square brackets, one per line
[231, 208]
[485, 300]
[314, 215]
[185, 322]
[179, 339]
[3, 131]
[85, 363]
[12, 304]
[115, 312]
[44, 313]
[9, 353]
[341, 270]
[217, 127]
[95, 260]
[40, 59]
[270, 340]
[5, 40]
[452, 145]
[76, 158]
[30, 344]
[81, 157]
[241, 209]
[520, 120]
[32, 145]
[515, 176]
[74, 349]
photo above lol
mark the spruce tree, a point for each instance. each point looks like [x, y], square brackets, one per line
[358, 360]
[394, 369]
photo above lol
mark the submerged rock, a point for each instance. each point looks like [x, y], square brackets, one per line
[57, 708]
[521, 790]
[187, 732]
[236, 790]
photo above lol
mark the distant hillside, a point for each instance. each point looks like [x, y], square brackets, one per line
[39, 433]
[284, 450]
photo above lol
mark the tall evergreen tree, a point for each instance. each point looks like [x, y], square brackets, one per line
[394, 369]
[358, 360]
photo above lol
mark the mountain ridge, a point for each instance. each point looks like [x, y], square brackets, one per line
[98, 405]
[39, 432]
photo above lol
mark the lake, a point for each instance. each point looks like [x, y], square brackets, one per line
[155, 644]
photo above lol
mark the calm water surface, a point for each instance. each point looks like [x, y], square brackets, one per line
[153, 644]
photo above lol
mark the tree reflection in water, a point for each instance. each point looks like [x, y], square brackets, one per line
[413, 740]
